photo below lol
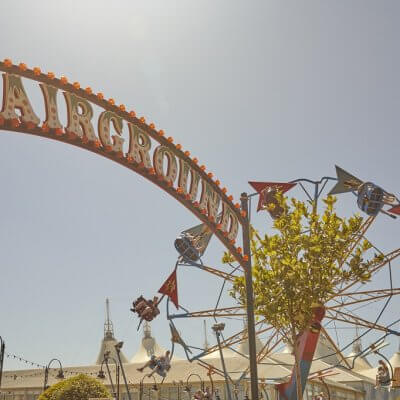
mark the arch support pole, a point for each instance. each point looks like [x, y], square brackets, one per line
[251, 332]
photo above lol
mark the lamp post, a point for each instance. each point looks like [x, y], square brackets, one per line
[326, 386]
[218, 328]
[178, 385]
[102, 376]
[263, 387]
[188, 388]
[118, 348]
[209, 374]
[154, 387]
[60, 374]
[251, 331]
[2, 351]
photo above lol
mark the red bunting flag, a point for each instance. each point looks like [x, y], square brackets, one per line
[261, 186]
[395, 210]
[170, 288]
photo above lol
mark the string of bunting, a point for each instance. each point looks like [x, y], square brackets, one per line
[16, 357]
[15, 376]
[34, 364]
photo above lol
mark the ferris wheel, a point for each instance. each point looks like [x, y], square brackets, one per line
[361, 307]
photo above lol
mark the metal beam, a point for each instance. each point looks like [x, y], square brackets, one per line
[380, 294]
[387, 259]
[359, 235]
[332, 342]
[351, 319]
[234, 339]
[221, 274]
[216, 312]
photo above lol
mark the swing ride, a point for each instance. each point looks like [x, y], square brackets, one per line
[345, 307]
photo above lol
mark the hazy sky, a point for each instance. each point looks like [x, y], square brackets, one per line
[257, 90]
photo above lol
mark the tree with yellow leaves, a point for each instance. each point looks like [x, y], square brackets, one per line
[302, 264]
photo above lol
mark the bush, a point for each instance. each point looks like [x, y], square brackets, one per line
[80, 387]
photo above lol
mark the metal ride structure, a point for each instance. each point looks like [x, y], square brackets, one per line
[124, 138]
[342, 310]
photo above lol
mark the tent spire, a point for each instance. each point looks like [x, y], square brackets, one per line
[206, 345]
[108, 325]
[357, 346]
[108, 343]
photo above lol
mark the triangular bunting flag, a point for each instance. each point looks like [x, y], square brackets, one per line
[261, 186]
[170, 288]
[346, 182]
[395, 210]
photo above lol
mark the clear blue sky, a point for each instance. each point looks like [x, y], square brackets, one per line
[257, 90]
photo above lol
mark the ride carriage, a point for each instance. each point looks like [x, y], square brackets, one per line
[370, 198]
[146, 309]
[192, 243]
[184, 246]
[271, 203]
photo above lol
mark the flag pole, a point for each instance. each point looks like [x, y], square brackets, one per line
[159, 301]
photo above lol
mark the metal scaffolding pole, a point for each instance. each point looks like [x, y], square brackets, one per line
[249, 299]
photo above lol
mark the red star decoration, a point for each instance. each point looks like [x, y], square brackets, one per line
[260, 186]
[170, 288]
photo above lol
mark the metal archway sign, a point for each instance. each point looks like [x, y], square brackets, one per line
[126, 139]
[123, 138]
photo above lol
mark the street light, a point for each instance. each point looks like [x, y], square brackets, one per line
[188, 388]
[218, 328]
[2, 351]
[118, 348]
[102, 376]
[178, 385]
[154, 388]
[60, 374]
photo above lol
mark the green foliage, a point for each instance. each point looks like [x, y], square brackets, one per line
[80, 387]
[303, 264]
